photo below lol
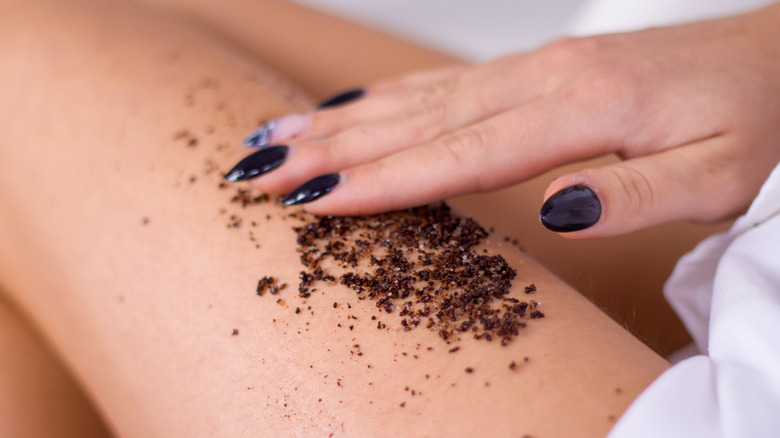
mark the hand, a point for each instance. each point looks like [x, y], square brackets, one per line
[693, 110]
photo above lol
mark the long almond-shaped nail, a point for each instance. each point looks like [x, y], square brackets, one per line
[277, 130]
[313, 189]
[571, 209]
[260, 162]
[342, 98]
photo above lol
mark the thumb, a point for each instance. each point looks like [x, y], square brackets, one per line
[704, 181]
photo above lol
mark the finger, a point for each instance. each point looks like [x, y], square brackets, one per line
[402, 96]
[420, 124]
[416, 80]
[703, 181]
[502, 150]
[365, 105]
[374, 141]
[380, 102]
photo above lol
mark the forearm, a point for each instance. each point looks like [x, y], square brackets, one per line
[123, 255]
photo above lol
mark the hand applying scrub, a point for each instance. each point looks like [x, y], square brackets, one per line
[693, 111]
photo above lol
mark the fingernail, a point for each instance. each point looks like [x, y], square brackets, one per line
[345, 97]
[278, 130]
[313, 189]
[571, 209]
[260, 162]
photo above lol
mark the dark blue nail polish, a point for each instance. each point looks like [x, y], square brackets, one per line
[340, 99]
[571, 209]
[260, 162]
[313, 189]
[261, 136]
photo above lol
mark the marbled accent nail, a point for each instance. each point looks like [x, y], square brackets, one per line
[571, 209]
[260, 162]
[313, 189]
[342, 98]
[261, 136]
[278, 130]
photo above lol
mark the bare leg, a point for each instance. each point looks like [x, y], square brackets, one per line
[37, 396]
[122, 257]
[321, 53]
[326, 55]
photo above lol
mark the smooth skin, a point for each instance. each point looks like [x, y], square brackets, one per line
[125, 264]
[691, 109]
[325, 55]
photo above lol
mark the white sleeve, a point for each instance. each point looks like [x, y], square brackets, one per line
[727, 292]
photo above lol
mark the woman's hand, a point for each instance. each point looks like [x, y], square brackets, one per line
[694, 110]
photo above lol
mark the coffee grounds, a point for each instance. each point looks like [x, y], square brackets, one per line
[421, 264]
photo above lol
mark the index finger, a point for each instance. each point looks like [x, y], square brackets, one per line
[505, 149]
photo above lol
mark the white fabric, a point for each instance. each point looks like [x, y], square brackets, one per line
[727, 291]
[607, 16]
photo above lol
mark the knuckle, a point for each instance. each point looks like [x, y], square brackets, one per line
[433, 111]
[426, 121]
[570, 49]
[438, 88]
[467, 150]
[726, 172]
[635, 189]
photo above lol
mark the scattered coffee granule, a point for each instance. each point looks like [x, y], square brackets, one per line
[469, 370]
[420, 264]
[235, 332]
[530, 289]
[184, 133]
[245, 197]
[454, 349]
[235, 222]
[403, 404]
[144, 220]
[265, 283]
[512, 365]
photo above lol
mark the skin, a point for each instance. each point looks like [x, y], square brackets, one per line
[126, 267]
[688, 108]
[628, 273]
[330, 56]
[39, 397]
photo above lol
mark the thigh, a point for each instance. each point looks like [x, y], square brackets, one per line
[325, 55]
[321, 53]
[38, 397]
[141, 267]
